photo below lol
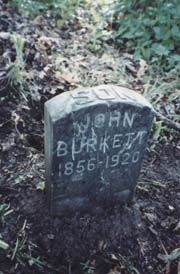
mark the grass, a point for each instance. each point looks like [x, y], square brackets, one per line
[17, 76]
[4, 212]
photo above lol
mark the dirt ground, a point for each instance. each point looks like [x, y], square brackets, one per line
[140, 237]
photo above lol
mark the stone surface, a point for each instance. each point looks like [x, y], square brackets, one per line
[94, 145]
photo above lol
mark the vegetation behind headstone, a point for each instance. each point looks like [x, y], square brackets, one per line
[61, 8]
[146, 29]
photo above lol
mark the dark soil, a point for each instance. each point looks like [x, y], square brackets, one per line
[127, 239]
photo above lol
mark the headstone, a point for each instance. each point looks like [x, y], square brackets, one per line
[95, 140]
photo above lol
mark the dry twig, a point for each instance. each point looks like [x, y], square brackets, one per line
[167, 122]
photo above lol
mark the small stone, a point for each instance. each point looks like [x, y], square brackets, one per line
[38, 21]
[150, 267]
[171, 208]
[5, 35]
[50, 236]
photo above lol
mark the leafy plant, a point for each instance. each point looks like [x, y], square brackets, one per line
[87, 267]
[148, 29]
[62, 8]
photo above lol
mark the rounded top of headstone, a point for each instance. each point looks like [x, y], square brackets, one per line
[84, 97]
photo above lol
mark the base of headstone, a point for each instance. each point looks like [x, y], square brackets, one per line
[83, 205]
[81, 237]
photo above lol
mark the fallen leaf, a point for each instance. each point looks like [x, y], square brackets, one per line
[42, 74]
[66, 77]
[40, 186]
[16, 118]
[8, 143]
[142, 69]
[151, 217]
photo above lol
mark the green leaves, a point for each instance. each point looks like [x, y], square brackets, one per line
[175, 31]
[157, 127]
[3, 245]
[149, 29]
[160, 49]
[170, 257]
[162, 33]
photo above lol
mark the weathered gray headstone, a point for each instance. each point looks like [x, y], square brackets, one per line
[94, 144]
